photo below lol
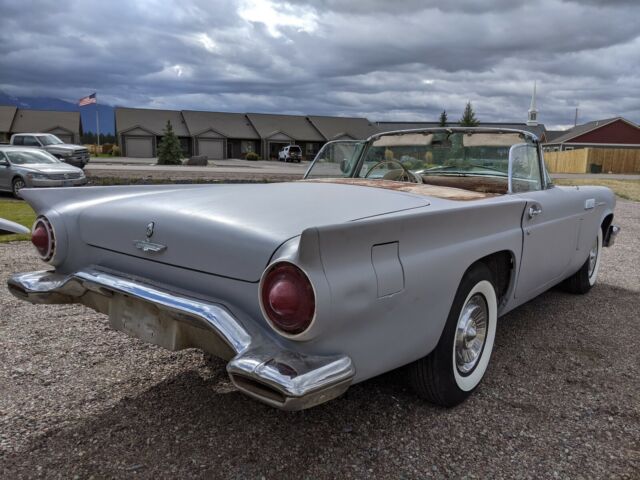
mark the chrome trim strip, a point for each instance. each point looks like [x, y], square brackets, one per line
[9, 227]
[279, 377]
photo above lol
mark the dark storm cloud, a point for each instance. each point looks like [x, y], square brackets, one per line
[386, 60]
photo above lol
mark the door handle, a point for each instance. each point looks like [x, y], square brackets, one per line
[534, 211]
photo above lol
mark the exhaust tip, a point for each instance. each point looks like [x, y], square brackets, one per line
[260, 390]
[17, 291]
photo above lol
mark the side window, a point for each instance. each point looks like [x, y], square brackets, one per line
[3, 159]
[525, 175]
[31, 142]
[18, 140]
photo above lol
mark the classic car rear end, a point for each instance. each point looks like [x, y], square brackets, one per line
[189, 276]
[354, 278]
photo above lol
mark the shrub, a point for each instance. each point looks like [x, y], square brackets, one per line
[115, 151]
[106, 147]
[252, 156]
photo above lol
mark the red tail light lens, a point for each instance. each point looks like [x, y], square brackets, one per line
[287, 298]
[43, 239]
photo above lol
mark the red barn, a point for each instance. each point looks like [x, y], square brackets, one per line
[610, 133]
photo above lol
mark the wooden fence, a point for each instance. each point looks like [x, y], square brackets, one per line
[608, 160]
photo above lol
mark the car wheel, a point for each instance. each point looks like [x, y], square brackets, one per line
[585, 278]
[453, 370]
[17, 185]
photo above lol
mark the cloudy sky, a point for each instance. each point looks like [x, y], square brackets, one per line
[384, 59]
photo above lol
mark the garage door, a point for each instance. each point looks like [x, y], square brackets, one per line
[213, 149]
[139, 147]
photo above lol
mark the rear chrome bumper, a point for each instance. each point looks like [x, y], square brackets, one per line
[610, 235]
[257, 366]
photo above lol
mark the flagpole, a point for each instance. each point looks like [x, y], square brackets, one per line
[97, 125]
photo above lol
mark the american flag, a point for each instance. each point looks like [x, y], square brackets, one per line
[87, 100]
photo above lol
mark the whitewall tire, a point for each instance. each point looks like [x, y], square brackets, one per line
[457, 365]
[585, 278]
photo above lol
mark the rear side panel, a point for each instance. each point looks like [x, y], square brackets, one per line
[386, 308]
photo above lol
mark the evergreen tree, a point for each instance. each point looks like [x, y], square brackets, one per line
[443, 118]
[169, 151]
[469, 117]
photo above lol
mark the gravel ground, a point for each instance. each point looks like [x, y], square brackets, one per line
[561, 399]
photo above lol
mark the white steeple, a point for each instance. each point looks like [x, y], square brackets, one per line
[532, 116]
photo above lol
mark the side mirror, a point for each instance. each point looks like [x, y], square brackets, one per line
[4, 163]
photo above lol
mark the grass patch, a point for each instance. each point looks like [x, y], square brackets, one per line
[19, 212]
[629, 189]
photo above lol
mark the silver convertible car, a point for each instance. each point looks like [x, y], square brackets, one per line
[402, 250]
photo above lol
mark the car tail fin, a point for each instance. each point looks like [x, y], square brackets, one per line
[42, 199]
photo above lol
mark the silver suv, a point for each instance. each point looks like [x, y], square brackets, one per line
[290, 153]
[75, 155]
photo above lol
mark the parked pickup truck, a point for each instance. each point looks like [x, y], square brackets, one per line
[75, 155]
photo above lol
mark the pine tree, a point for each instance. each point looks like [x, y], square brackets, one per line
[469, 117]
[169, 150]
[443, 118]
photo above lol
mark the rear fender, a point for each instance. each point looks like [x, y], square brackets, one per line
[391, 280]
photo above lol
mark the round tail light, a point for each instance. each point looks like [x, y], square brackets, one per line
[287, 298]
[43, 239]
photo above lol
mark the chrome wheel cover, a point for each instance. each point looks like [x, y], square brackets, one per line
[593, 258]
[471, 333]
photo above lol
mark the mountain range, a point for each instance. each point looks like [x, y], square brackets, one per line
[88, 113]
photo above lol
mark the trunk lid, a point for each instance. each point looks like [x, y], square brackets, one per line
[229, 230]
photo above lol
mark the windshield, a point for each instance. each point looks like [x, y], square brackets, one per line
[49, 140]
[29, 157]
[441, 153]
[336, 159]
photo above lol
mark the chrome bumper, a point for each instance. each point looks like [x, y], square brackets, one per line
[610, 235]
[257, 366]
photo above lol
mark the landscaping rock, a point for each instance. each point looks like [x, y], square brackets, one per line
[197, 160]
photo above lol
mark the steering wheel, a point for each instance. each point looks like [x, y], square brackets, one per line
[410, 177]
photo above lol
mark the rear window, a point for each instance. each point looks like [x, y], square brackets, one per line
[18, 140]
[295, 149]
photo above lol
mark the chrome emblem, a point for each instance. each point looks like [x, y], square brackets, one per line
[147, 246]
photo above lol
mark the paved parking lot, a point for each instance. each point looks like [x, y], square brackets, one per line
[561, 399]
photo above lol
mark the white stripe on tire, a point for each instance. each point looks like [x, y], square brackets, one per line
[471, 381]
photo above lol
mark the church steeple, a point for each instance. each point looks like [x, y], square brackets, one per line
[532, 116]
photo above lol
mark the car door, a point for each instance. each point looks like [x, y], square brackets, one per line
[5, 172]
[550, 223]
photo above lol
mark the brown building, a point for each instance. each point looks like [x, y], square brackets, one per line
[139, 131]
[65, 125]
[220, 135]
[278, 131]
[614, 132]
